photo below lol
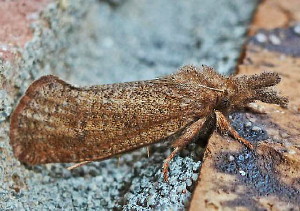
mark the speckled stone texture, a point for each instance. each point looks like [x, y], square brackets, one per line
[93, 42]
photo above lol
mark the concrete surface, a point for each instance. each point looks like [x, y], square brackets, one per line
[94, 42]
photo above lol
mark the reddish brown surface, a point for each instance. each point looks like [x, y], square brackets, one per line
[277, 158]
[275, 14]
[15, 19]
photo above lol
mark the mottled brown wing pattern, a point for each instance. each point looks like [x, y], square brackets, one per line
[56, 122]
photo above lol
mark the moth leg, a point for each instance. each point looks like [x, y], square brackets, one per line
[119, 158]
[148, 152]
[224, 125]
[188, 136]
[78, 165]
[167, 162]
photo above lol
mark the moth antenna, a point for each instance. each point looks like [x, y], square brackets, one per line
[271, 96]
[258, 81]
[215, 89]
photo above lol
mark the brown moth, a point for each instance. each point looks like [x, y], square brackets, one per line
[56, 122]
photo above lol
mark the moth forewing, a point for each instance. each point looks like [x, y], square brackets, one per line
[56, 122]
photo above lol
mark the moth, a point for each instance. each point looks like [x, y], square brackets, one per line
[56, 122]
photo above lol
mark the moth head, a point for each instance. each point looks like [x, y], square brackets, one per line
[243, 90]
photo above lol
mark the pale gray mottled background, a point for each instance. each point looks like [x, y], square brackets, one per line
[94, 42]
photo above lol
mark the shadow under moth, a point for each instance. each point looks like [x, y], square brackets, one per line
[56, 122]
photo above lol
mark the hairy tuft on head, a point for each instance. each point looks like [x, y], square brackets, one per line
[258, 87]
[271, 96]
[258, 81]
